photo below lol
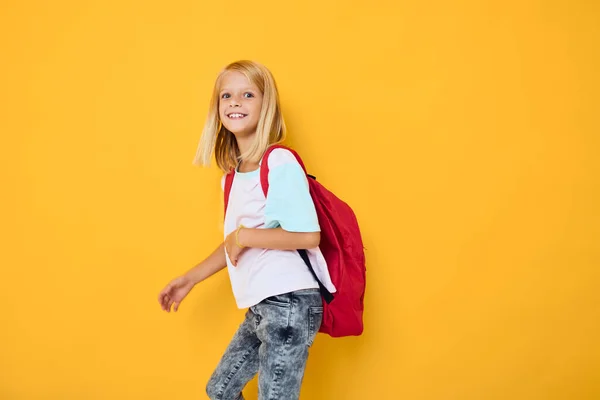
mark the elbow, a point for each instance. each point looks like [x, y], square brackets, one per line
[313, 239]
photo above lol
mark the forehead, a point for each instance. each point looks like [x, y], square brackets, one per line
[233, 80]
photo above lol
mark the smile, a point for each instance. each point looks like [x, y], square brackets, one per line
[237, 116]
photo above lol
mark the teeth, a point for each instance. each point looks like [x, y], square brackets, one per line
[236, 115]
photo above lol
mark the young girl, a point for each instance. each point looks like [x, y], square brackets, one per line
[262, 235]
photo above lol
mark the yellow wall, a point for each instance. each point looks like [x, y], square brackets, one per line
[464, 134]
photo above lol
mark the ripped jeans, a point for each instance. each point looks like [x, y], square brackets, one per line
[273, 341]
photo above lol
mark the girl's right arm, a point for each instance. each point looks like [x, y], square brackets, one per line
[178, 288]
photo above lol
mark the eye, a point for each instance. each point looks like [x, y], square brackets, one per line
[248, 95]
[225, 95]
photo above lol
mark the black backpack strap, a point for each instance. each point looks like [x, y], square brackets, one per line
[327, 296]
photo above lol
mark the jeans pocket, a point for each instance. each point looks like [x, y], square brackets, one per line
[281, 300]
[315, 317]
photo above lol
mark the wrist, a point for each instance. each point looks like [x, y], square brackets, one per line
[188, 278]
[242, 236]
[192, 277]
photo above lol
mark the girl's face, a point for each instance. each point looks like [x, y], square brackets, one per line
[240, 102]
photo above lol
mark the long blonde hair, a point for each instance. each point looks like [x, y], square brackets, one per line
[270, 129]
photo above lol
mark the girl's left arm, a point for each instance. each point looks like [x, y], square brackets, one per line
[277, 239]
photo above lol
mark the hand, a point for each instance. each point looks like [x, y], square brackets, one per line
[174, 293]
[232, 248]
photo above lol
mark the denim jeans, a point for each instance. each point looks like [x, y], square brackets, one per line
[273, 341]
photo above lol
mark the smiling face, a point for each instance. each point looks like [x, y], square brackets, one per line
[240, 102]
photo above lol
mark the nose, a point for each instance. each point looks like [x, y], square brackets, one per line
[234, 102]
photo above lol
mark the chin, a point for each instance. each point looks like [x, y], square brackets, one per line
[236, 131]
[241, 131]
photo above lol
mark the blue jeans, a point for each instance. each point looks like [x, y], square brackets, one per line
[273, 341]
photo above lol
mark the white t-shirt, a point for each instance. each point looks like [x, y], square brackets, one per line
[261, 273]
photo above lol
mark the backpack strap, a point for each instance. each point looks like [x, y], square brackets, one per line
[227, 189]
[264, 172]
[264, 182]
[327, 296]
[264, 166]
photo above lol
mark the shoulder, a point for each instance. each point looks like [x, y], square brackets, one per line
[280, 157]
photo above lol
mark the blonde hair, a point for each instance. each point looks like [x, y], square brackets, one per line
[270, 129]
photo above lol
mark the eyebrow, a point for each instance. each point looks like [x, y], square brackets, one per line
[246, 89]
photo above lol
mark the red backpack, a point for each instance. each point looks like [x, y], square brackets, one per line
[342, 248]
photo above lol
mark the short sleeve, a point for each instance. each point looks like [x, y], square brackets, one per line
[289, 204]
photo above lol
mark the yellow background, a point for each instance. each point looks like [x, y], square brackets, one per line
[464, 134]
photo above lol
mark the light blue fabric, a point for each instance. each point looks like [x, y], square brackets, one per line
[289, 204]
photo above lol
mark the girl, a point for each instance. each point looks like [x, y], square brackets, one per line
[267, 275]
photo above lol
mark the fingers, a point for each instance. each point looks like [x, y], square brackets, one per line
[236, 257]
[232, 257]
[163, 296]
[164, 301]
[166, 290]
[176, 307]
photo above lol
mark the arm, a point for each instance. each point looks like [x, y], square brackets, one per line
[273, 238]
[289, 205]
[278, 238]
[290, 215]
[178, 288]
[210, 266]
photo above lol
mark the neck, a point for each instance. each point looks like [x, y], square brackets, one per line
[245, 142]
